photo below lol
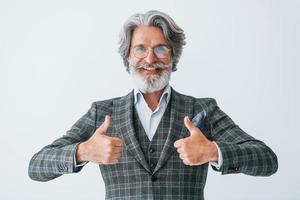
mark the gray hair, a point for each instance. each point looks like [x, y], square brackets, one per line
[173, 33]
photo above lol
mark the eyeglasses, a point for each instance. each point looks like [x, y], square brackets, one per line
[160, 51]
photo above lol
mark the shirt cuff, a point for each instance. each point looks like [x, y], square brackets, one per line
[75, 162]
[219, 163]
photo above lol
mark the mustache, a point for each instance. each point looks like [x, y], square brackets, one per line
[157, 65]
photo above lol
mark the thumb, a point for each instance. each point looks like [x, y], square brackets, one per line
[103, 128]
[189, 125]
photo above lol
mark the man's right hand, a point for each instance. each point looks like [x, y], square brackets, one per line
[100, 148]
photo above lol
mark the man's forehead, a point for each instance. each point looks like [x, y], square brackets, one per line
[148, 35]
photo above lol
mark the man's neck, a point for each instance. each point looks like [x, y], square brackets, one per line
[153, 98]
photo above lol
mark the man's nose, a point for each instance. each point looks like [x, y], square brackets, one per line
[151, 57]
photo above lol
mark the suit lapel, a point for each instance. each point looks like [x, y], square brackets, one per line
[180, 107]
[123, 110]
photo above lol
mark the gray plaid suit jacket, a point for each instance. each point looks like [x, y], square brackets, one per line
[132, 178]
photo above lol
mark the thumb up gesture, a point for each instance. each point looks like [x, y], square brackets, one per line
[195, 149]
[100, 148]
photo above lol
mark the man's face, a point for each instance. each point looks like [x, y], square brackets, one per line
[150, 59]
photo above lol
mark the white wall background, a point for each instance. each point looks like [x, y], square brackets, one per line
[57, 57]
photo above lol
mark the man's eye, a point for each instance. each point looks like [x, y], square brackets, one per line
[140, 49]
[161, 50]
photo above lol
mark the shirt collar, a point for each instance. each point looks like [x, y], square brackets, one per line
[166, 95]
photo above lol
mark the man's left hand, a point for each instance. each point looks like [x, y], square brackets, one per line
[196, 149]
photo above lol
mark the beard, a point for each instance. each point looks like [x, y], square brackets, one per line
[148, 83]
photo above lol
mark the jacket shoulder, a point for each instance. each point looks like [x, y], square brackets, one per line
[107, 106]
[107, 103]
[203, 103]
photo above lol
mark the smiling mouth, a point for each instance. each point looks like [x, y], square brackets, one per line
[149, 68]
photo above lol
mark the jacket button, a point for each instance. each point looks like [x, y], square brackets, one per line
[154, 178]
[151, 150]
[66, 168]
[234, 169]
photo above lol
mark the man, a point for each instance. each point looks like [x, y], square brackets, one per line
[145, 143]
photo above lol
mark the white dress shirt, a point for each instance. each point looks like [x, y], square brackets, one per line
[150, 119]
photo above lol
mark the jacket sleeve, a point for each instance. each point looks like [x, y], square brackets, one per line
[58, 158]
[241, 152]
